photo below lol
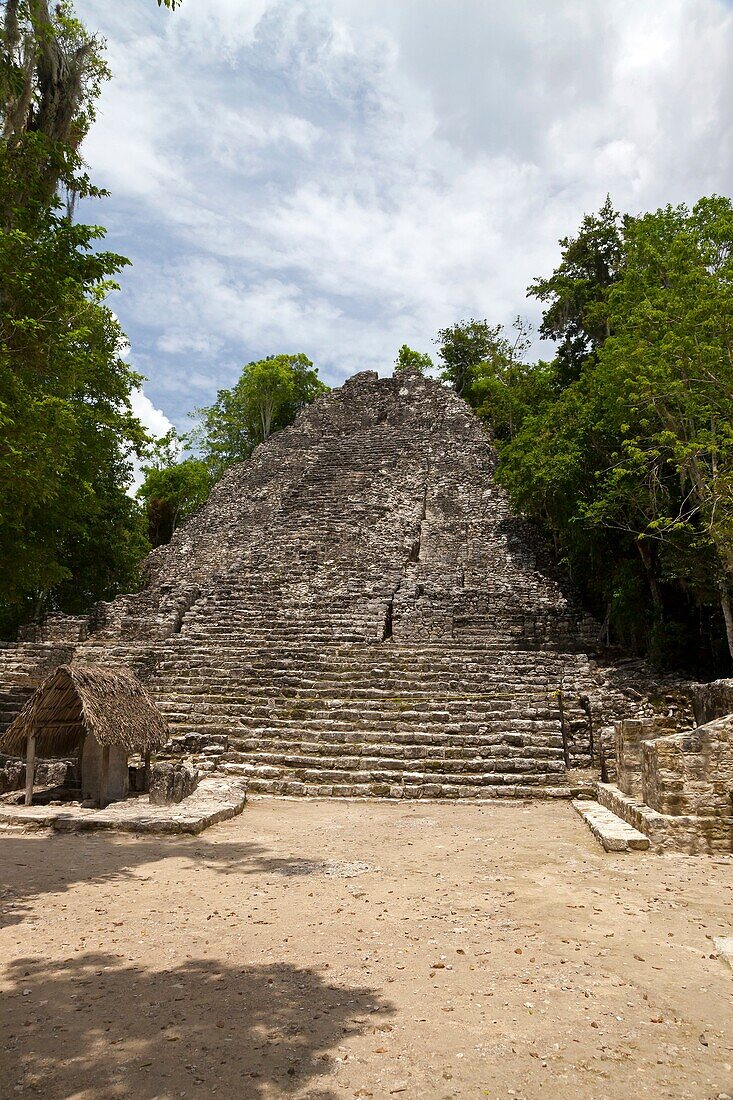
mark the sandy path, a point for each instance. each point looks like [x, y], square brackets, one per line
[331, 949]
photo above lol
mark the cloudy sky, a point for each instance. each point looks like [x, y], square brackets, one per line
[340, 177]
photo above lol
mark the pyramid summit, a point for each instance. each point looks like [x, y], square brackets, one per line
[356, 610]
[379, 502]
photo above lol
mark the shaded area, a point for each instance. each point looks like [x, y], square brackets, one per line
[92, 1027]
[106, 859]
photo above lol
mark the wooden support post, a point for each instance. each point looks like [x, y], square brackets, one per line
[30, 765]
[146, 777]
[104, 778]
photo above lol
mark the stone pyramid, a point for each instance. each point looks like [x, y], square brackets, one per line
[356, 611]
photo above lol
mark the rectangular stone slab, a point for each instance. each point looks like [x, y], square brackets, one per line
[615, 834]
[215, 799]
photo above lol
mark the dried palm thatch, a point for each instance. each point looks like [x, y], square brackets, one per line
[76, 700]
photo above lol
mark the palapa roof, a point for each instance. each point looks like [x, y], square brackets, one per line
[76, 700]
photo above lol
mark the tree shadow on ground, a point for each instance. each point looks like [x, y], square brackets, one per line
[30, 869]
[96, 1029]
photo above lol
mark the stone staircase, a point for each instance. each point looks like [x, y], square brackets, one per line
[351, 718]
[356, 611]
[22, 667]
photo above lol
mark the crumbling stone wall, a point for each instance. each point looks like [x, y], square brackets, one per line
[675, 787]
[713, 700]
[691, 772]
[47, 773]
[631, 734]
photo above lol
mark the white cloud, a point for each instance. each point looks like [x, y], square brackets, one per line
[342, 176]
[153, 419]
[156, 422]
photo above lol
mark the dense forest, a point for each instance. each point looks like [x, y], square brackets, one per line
[620, 447]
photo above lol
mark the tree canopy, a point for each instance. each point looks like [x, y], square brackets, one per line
[576, 294]
[407, 359]
[622, 447]
[170, 494]
[68, 531]
[266, 398]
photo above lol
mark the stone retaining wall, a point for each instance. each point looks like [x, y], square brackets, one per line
[675, 787]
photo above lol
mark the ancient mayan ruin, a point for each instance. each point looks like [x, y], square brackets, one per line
[357, 612]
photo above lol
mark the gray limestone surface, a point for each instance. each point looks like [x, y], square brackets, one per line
[614, 834]
[356, 611]
[216, 799]
[170, 783]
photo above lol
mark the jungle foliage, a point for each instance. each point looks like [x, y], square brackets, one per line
[69, 534]
[621, 447]
[408, 359]
[266, 398]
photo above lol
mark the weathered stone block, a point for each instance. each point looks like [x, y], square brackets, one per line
[713, 700]
[52, 773]
[630, 734]
[691, 772]
[171, 783]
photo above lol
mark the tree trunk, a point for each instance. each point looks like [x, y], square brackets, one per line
[30, 764]
[647, 558]
[727, 609]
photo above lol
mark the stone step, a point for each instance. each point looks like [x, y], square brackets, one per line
[393, 777]
[422, 712]
[470, 765]
[363, 657]
[272, 687]
[614, 834]
[340, 666]
[307, 685]
[343, 666]
[413, 790]
[210, 724]
[399, 744]
[193, 644]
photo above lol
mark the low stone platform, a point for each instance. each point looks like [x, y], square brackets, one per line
[215, 799]
[416, 786]
[614, 834]
[686, 833]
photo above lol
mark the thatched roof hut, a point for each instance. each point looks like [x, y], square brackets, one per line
[99, 710]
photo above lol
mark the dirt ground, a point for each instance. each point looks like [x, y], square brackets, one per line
[331, 949]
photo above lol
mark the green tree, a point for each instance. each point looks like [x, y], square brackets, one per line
[502, 386]
[670, 362]
[267, 397]
[68, 533]
[630, 466]
[66, 427]
[173, 488]
[463, 347]
[51, 72]
[576, 294]
[407, 359]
